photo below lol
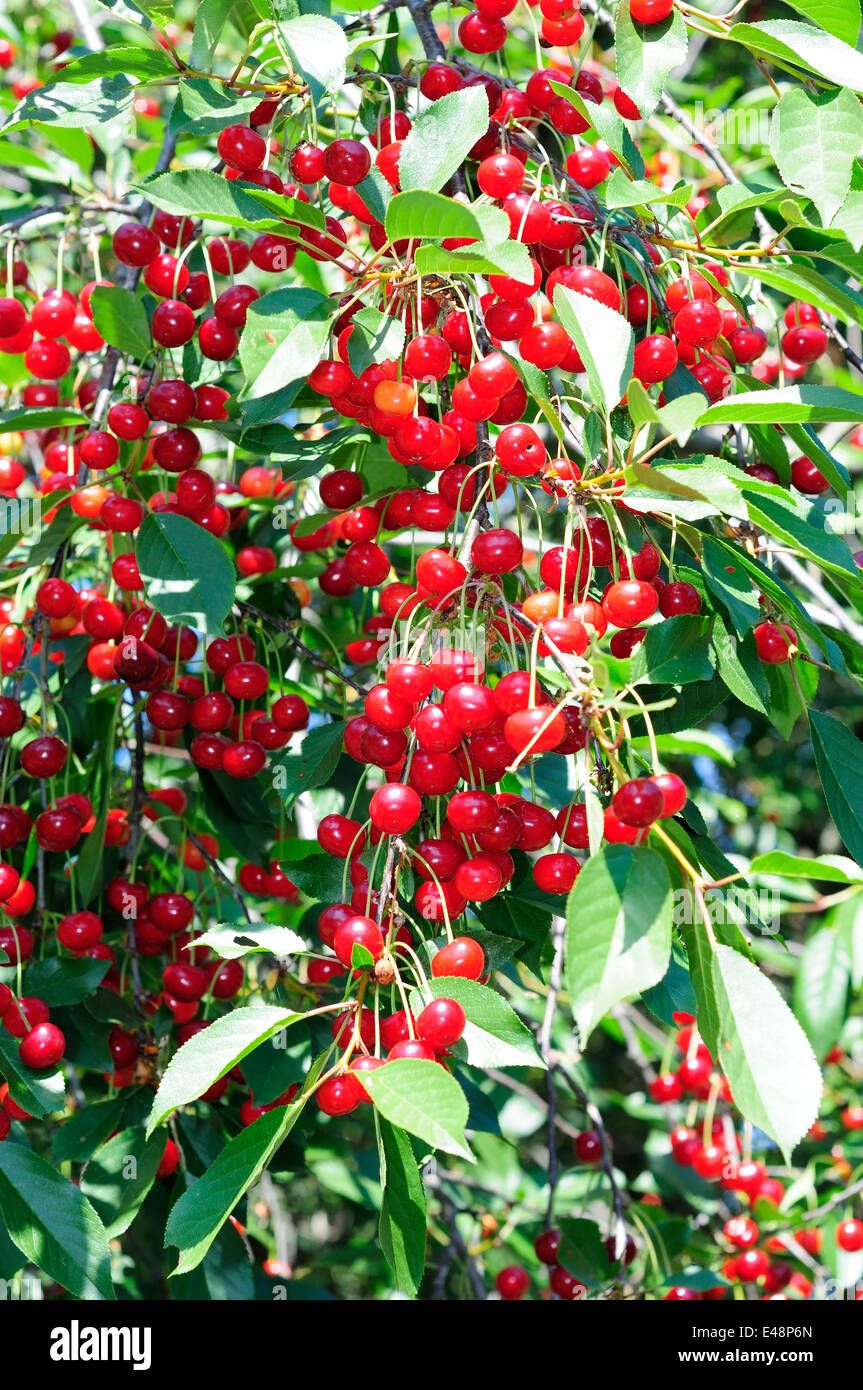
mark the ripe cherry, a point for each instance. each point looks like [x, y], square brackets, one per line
[629, 602]
[441, 1024]
[849, 1235]
[462, 957]
[241, 148]
[741, 1232]
[638, 802]
[774, 642]
[358, 931]
[338, 1095]
[512, 1282]
[42, 1047]
[588, 1146]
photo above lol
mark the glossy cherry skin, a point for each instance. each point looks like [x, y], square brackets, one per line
[358, 931]
[774, 642]
[588, 1146]
[441, 1024]
[629, 602]
[638, 802]
[462, 957]
[512, 1282]
[849, 1235]
[340, 1094]
[42, 1047]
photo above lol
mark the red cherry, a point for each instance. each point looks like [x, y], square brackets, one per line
[629, 602]
[650, 11]
[462, 957]
[338, 1095]
[807, 478]
[556, 873]
[638, 802]
[588, 1146]
[849, 1235]
[358, 931]
[395, 808]
[740, 1231]
[346, 162]
[512, 1282]
[42, 1047]
[241, 148]
[665, 1088]
[441, 1024]
[774, 643]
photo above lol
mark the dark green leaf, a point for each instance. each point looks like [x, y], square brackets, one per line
[54, 1225]
[402, 1230]
[188, 575]
[618, 931]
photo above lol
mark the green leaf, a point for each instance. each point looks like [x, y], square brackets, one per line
[35, 1092]
[494, 1036]
[432, 217]
[618, 931]
[80, 1135]
[320, 49]
[120, 317]
[839, 760]
[821, 988]
[118, 1178]
[674, 994]
[646, 54]
[54, 1225]
[423, 1099]
[839, 17]
[675, 652]
[583, 1251]
[232, 943]
[282, 341]
[198, 1216]
[815, 140]
[819, 405]
[610, 127]
[623, 192]
[480, 258]
[696, 1277]
[206, 107]
[774, 1077]
[802, 282]
[311, 766]
[604, 340]
[20, 418]
[805, 527]
[88, 105]
[318, 874]
[145, 63]
[375, 337]
[699, 957]
[211, 16]
[402, 1230]
[804, 46]
[832, 868]
[849, 219]
[673, 490]
[739, 666]
[61, 981]
[376, 193]
[201, 193]
[208, 1055]
[188, 575]
[736, 198]
[440, 138]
